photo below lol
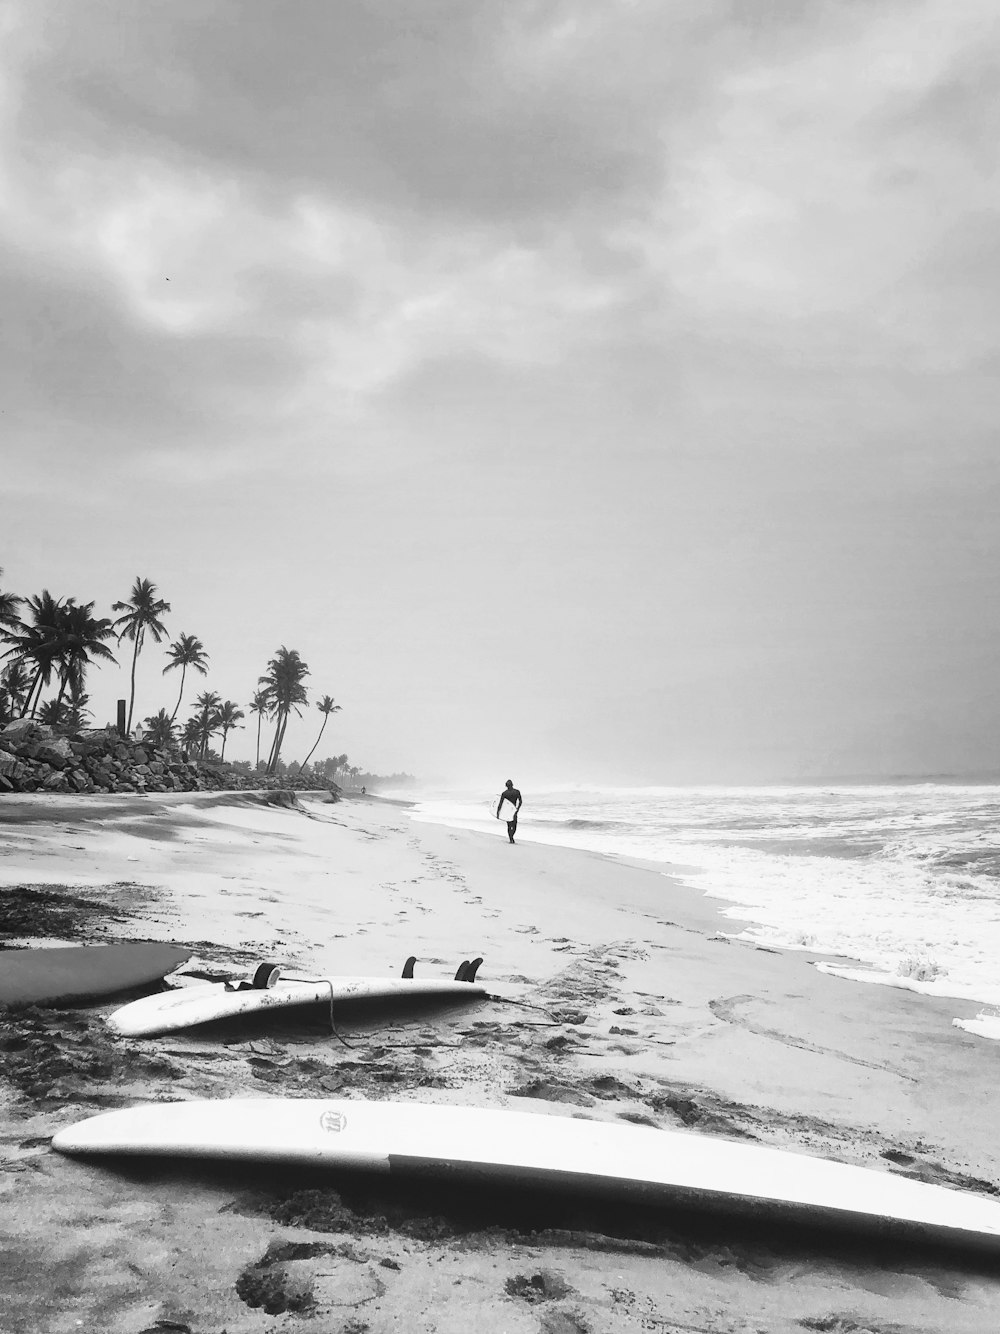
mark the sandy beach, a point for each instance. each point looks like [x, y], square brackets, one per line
[614, 994]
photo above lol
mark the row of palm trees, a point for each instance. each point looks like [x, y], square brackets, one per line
[56, 640]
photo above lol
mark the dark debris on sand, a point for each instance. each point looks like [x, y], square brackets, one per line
[46, 911]
[69, 1056]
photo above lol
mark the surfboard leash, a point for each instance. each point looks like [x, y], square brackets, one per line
[551, 1022]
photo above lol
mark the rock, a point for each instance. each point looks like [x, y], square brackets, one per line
[55, 752]
[20, 729]
[94, 742]
[36, 757]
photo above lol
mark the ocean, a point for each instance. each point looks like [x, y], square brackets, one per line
[895, 885]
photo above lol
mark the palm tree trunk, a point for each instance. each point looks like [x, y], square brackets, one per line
[131, 698]
[326, 719]
[26, 700]
[32, 698]
[64, 679]
[272, 758]
[260, 718]
[279, 736]
[225, 733]
[177, 706]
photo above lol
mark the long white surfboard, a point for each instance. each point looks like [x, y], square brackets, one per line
[166, 1012]
[633, 1162]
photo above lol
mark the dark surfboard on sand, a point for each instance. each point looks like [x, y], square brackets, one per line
[83, 972]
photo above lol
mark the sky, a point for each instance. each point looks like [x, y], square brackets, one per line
[598, 392]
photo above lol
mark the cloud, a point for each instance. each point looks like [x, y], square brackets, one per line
[225, 224]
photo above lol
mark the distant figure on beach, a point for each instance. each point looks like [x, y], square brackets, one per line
[512, 798]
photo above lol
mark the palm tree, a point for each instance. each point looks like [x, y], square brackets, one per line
[260, 707]
[160, 730]
[37, 642]
[326, 706]
[227, 716]
[77, 699]
[53, 713]
[205, 721]
[282, 685]
[141, 613]
[14, 682]
[188, 651]
[81, 638]
[64, 637]
[9, 604]
[191, 733]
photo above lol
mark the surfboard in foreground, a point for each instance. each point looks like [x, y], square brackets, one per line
[632, 1162]
[83, 972]
[187, 1007]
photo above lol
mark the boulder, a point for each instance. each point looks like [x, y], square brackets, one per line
[56, 752]
[94, 741]
[21, 729]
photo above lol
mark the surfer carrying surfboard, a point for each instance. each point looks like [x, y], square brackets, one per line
[508, 807]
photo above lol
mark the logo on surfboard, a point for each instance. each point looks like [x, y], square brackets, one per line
[333, 1121]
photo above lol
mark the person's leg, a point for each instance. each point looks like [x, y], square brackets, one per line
[512, 828]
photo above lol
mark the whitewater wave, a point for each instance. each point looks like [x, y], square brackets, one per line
[903, 879]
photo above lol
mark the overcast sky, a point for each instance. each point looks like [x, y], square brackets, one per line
[592, 391]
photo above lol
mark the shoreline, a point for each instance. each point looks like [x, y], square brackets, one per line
[651, 1015]
[904, 960]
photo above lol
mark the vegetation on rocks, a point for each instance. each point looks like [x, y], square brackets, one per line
[47, 742]
[37, 758]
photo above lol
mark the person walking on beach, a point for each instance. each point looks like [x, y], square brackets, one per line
[512, 798]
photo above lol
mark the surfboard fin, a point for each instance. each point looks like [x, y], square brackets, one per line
[408, 966]
[470, 973]
[460, 975]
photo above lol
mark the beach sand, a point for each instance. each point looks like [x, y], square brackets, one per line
[620, 998]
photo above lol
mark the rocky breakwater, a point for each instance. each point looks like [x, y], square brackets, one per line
[36, 758]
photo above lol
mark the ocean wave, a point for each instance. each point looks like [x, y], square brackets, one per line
[905, 880]
[581, 823]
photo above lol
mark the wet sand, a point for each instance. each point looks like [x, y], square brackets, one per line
[616, 997]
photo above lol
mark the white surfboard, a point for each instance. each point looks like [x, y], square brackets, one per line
[633, 1162]
[187, 1007]
[508, 809]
